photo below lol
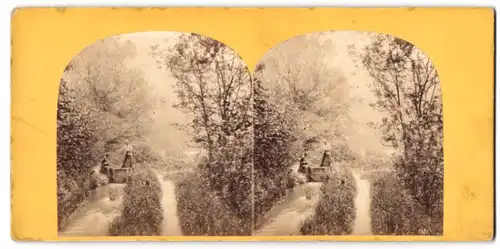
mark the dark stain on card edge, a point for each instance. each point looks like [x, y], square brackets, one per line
[60, 10]
[411, 8]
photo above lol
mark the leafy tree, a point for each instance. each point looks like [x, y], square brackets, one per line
[118, 94]
[300, 78]
[274, 137]
[406, 85]
[213, 86]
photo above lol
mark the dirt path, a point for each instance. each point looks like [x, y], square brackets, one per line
[287, 216]
[362, 222]
[101, 209]
[171, 225]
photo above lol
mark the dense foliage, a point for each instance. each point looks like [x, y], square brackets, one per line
[142, 212]
[213, 86]
[102, 102]
[336, 209]
[397, 212]
[274, 152]
[406, 85]
[202, 212]
[76, 137]
[298, 102]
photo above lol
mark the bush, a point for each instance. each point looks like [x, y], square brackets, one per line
[336, 209]
[275, 138]
[71, 195]
[142, 213]
[423, 179]
[268, 191]
[144, 154]
[75, 139]
[202, 213]
[394, 211]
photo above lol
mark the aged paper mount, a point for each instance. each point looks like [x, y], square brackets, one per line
[246, 124]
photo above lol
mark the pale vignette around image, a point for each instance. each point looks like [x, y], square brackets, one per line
[170, 134]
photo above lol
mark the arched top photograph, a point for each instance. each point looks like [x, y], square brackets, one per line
[146, 122]
[360, 115]
[169, 134]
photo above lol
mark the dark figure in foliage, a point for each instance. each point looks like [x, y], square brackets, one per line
[127, 162]
[303, 163]
[93, 180]
[326, 160]
[105, 164]
[105, 160]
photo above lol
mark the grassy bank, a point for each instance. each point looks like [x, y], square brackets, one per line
[202, 213]
[394, 211]
[72, 194]
[268, 192]
[142, 213]
[336, 209]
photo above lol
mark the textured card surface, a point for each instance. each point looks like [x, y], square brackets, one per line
[284, 124]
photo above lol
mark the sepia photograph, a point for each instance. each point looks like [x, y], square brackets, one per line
[155, 138]
[348, 137]
[171, 134]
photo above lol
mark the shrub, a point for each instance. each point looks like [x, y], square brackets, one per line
[423, 179]
[142, 213]
[336, 209]
[71, 195]
[144, 154]
[268, 191]
[202, 213]
[394, 211]
[275, 140]
[75, 139]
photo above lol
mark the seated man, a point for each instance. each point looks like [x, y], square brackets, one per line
[303, 163]
[105, 163]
